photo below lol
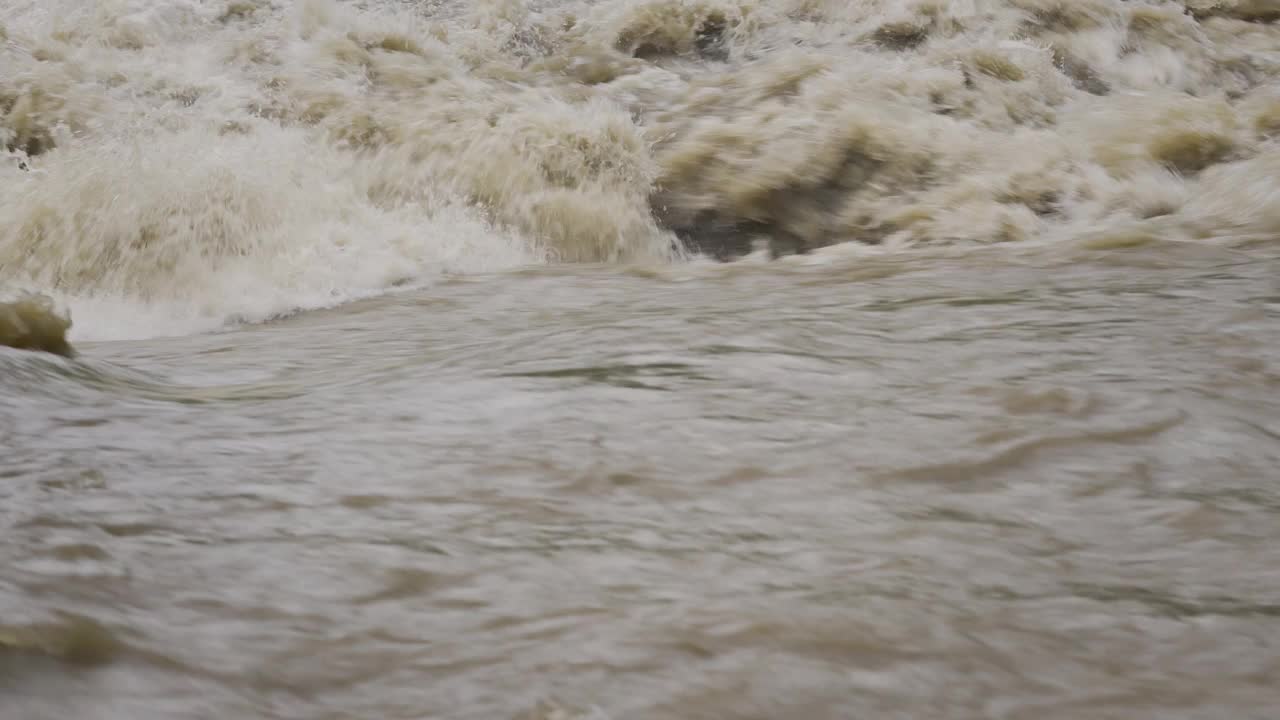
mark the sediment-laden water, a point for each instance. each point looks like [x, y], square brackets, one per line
[390, 369]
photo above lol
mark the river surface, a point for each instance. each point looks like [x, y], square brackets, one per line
[402, 380]
[1031, 484]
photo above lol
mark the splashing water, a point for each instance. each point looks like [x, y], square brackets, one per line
[174, 165]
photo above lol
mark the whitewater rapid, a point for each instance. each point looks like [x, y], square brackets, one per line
[172, 166]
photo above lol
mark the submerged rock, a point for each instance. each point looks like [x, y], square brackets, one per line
[32, 323]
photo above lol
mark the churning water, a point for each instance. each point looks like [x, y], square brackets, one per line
[406, 383]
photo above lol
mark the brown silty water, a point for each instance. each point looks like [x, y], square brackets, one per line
[408, 382]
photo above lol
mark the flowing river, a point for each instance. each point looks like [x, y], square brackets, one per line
[405, 379]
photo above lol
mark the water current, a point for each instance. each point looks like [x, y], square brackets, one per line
[394, 369]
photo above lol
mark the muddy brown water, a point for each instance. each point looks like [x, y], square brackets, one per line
[961, 484]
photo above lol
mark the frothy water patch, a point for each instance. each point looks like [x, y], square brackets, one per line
[165, 235]
[200, 163]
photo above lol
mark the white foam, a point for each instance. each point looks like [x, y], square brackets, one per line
[199, 163]
[172, 234]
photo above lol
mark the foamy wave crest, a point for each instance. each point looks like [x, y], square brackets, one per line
[170, 169]
[192, 233]
[208, 161]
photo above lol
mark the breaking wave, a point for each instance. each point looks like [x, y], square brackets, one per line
[172, 165]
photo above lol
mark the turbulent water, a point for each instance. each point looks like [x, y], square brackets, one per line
[407, 382]
[178, 165]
